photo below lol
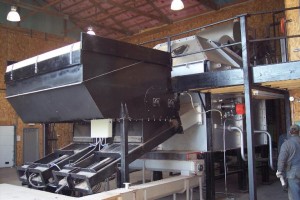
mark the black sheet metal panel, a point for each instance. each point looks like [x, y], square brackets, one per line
[56, 105]
[52, 97]
[208, 80]
[140, 128]
[54, 79]
[92, 83]
[261, 74]
[50, 65]
[119, 72]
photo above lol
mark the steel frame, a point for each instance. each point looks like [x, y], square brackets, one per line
[209, 156]
[250, 77]
[234, 77]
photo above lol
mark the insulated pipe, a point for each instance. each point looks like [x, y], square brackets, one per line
[231, 128]
[270, 147]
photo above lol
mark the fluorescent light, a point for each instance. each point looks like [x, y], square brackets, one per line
[177, 5]
[90, 31]
[13, 15]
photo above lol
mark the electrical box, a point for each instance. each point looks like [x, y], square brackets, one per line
[101, 128]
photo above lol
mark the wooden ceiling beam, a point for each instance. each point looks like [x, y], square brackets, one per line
[138, 24]
[66, 21]
[109, 13]
[38, 9]
[82, 10]
[98, 5]
[34, 8]
[165, 17]
[137, 11]
[209, 4]
[72, 5]
[42, 8]
[143, 22]
[93, 24]
[119, 12]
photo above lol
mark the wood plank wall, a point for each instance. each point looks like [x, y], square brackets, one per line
[293, 28]
[295, 106]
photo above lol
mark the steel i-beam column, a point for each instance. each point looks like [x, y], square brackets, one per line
[248, 80]
[124, 145]
[242, 175]
[265, 175]
[209, 156]
[287, 108]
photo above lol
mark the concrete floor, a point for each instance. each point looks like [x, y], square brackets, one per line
[272, 191]
[9, 175]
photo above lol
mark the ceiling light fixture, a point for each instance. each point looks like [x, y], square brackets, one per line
[13, 15]
[90, 31]
[177, 5]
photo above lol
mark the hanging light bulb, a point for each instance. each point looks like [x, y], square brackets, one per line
[177, 5]
[13, 15]
[90, 31]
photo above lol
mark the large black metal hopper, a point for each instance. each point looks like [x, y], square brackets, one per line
[90, 79]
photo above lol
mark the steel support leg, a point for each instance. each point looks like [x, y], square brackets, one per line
[124, 145]
[209, 156]
[47, 134]
[200, 189]
[191, 193]
[242, 175]
[118, 178]
[287, 107]
[265, 175]
[248, 80]
[187, 191]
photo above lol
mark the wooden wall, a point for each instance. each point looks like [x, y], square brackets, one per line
[18, 44]
[295, 106]
[293, 28]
